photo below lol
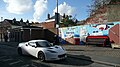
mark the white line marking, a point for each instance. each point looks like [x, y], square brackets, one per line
[1, 58]
[25, 65]
[34, 65]
[15, 62]
[7, 60]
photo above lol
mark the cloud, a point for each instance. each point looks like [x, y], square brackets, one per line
[40, 8]
[18, 6]
[64, 8]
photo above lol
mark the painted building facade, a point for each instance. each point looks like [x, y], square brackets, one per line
[75, 33]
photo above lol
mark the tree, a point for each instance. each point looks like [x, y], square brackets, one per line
[113, 11]
[64, 15]
[68, 21]
[96, 5]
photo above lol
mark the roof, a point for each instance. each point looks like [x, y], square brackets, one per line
[16, 23]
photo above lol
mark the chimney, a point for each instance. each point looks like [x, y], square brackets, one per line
[1, 18]
[48, 16]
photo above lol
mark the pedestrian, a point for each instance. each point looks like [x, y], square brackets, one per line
[56, 40]
[6, 38]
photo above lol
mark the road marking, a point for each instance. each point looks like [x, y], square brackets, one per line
[25, 65]
[7, 60]
[1, 58]
[15, 62]
[34, 65]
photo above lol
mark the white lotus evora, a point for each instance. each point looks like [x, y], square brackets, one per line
[42, 49]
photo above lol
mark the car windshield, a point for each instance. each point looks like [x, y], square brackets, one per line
[43, 44]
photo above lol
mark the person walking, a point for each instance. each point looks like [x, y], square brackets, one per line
[6, 38]
[56, 40]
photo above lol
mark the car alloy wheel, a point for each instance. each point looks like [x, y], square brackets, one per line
[19, 51]
[41, 56]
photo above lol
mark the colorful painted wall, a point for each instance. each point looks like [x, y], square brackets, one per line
[81, 32]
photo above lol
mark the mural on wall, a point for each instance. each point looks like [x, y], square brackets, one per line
[82, 32]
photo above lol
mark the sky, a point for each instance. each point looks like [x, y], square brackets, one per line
[37, 10]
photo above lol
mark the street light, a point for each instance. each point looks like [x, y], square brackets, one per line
[57, 22]
[57, 15]
[57, 5]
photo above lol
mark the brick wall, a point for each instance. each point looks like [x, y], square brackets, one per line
[114, 13]
[48, 25]
[114, 34]
[109, 13]
[100, 16]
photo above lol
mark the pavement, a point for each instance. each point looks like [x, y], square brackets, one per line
[101, 55]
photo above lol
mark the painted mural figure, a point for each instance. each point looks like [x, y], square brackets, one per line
[83, 34]
[101, 27]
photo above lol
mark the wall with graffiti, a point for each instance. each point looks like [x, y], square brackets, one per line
[83, 31]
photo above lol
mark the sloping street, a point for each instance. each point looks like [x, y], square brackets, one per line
[9, 57]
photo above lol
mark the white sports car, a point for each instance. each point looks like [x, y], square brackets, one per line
[42, 49]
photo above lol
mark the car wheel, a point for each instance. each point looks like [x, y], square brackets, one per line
[20, 51]
[41, 56]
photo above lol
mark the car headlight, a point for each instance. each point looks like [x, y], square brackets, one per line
[52, 51]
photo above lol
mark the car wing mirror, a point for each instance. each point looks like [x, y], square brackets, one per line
[34, 46]
[26, 44]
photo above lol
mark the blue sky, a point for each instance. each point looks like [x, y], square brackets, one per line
[37, 10]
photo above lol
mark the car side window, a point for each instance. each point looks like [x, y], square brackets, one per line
[31, 43]
[38, 45]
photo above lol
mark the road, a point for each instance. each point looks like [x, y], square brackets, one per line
[10, 58]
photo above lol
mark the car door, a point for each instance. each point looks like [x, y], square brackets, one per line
[31, 48]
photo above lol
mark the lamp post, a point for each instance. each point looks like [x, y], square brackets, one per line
[57, 5]
[57, 23]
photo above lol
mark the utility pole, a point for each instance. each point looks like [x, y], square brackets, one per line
[57, 6]
[57, 23]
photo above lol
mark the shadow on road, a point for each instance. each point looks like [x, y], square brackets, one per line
[70, 60]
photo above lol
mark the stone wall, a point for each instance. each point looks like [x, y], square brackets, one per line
[113, 13]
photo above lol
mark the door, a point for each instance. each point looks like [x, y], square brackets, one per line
[31, 48]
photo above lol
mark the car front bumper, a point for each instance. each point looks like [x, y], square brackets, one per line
[52, 57]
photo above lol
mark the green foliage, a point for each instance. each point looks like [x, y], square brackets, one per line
[68, 21]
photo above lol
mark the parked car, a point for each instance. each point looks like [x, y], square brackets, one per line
[42, 49]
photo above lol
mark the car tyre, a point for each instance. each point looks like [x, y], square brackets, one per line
[20, 51]
[41, 56]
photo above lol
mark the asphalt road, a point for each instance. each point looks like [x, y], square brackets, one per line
[10, 58]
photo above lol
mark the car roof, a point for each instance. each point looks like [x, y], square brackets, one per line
[36, 40]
